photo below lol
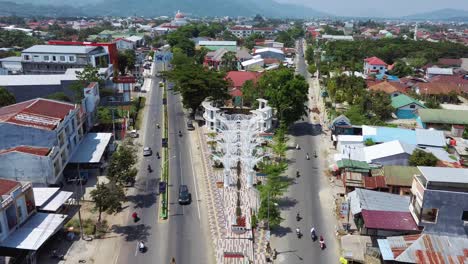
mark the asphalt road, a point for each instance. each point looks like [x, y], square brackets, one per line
[182, 235]
[309, 196]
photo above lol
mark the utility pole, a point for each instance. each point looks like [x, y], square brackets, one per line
[78, 199]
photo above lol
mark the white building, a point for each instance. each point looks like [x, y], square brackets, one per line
[124, 44]
[12, 65]
[37, 139]
[434, 71]
[241, 31]
[374, 65]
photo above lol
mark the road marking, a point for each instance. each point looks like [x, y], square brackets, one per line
[195, 184]
[136, 250]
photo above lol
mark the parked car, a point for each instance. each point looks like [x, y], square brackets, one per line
[147, 151]
[184, 195]
[190, 125]
[133, 134]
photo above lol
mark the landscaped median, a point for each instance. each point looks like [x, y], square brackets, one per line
[163, 210]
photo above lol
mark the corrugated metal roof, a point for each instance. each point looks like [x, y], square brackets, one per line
[386, 220]
[430, 137]
[404, 100]
[444, 71]
[387, 149]
[216, 43]
[399, 175]
[62, 49]
[385, 249]
[353, 164]
[440, 174]
[27, 80]
[371, 200]
[269, 50]
[387, 134]
[374, 182]
[443, 116]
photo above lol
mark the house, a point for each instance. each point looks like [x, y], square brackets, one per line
[424, 248]
[354, 174]
[391, 88]
[389, 153]
[12, 65]
[38, 138]
[124, 44]
[253, 64]
[380, 213]
[443, 85]
[374, 65]
[443, 119]
[215, 45]
[241, 31]
[434, 71]
[446, 62]
[56, 59]
[23, 229]
[439, 200]
[405, 106]
[137, 41]
[214, 59]
[267, 32]
[337, 37]
[270, 53]
[420, 137]
[398, 179]
[236, 80]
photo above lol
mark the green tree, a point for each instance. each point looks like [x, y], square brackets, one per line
[380, 105]
[88, 75]
[104, 115]
[249, 93]
[6, 98]
[229, 61]
[200, 55]
[312, 68]
[401, 69]
[59, 96]
[107, 198]
[121, 168]
[249, 42]
[126, 61]
[422, 158]
[228, 36]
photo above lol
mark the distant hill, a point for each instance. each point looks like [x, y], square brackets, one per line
[19, 9]
[442, 14]
[149, 8]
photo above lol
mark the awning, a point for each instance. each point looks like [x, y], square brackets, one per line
[43, 194]
[50, 199]
[56, 202]
[91, 148]
[34, 232]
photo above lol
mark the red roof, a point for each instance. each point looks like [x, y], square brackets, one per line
[443, 84]
[7, 186]
[388, 220]
[388, 87]
[27, 149]
[238, 78]
[235, 92]
[39, 113]
[374, 182]
[375, 61]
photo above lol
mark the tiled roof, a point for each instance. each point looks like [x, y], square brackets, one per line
[375, 61]
[388, 87]
[6, 186]
[444, 84]
[238, 78]
[39, 113]
[443, 116]
[404, 100]
[449, 62]
[27, 149]
[399, 175]
[386, 220]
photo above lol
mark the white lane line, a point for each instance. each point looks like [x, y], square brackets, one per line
[136, 250]
[195, 183]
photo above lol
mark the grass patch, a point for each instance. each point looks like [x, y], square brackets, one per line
[88, 226]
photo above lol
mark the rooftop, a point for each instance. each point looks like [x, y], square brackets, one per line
[387, 87]
[404, 100]
[430, 137]
[269, 50]
[399, 175]
[362, 199]
[39, 113]
[441, 174]
[26, 80]
[238, 78]
[387, 220]
[38, 151]
[387, 149]
[440, 71]
[375, 61]
[63, 49]
[443, 116]
[7, 186]
[216, 43]
[13, 58]
[387, 134]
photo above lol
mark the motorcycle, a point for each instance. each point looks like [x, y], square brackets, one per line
[157, 155]
[297, 174]
[298, 233]
[307, 156]
[313, 235]
[322, 243]
[298, 217]
[157, 125]
[141, 247]
[180, 133]
[315, 154]
[297, 147]
[149, 169]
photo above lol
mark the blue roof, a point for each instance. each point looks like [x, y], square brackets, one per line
[390, 78]
[386, 134]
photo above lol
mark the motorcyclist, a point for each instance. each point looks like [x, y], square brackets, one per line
[180, 133]
[298, 232]
[149, 168]
[297, 174]
[315, 153]
[141, 246]
[298, 217]
[307, 156]
[297, 146]
[157, 125]
[322, 242]
[157, 154]
[312, 233]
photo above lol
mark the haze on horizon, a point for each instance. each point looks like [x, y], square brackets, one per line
[394, 8]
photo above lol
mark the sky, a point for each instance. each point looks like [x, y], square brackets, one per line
[382, 8]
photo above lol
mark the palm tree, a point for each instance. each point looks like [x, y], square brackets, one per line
[229, 61]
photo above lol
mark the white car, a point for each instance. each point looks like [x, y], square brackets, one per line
[147, 151]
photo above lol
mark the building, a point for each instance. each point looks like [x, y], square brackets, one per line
[12, 65]
[433, 71]
[443, 119]
[398, 179]
[137, 41]
[236, 80]
[337, 37]
[56, 59]
[37, 139]
[241, 31]
[374, 65]
[216, 44]
[405, 106]
[124, 44]
[439, 200]
[389, 153]
[424, 248]
[270, 53]
[266, 32]
[256, 63]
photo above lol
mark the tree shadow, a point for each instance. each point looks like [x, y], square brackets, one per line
[285, 203]
[281, 231]
[305, 129]
[132, 232]
[142, 200]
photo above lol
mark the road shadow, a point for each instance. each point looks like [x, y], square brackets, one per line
[132, 232]
[305, 129]
[281, 231]
[285, 203]
[142, 200]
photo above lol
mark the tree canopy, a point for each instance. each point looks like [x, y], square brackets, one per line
[6, 98]
[422, 158]
[11, 38]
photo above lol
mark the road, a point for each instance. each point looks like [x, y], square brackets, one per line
[309, 195]
[182, 236]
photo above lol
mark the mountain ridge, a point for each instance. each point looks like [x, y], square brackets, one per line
[440, 14]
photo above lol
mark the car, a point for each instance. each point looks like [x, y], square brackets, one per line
[184, 195]
[190, 125]
[133, 134]
[147, 151]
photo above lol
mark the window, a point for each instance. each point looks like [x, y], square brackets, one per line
[54, 58]
[374, 68]
[381, 68]
[26, 57]
[62, 58]
[465, 218]
[429, 215]
[412, 106]
[71, 58]
[46, 58]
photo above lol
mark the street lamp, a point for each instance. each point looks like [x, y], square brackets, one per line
[167, 160]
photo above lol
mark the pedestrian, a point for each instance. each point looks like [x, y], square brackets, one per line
[275, 253]
[173, 261]
[268, 248]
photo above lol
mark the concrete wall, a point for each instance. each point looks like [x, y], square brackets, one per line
[25, 167]
[13, 135]
[27, 92]
[451, 206]
[400, 159]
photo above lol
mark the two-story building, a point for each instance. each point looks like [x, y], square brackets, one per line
[56, 59]
[37, 139]
[375, 66]
[439, 200]
[124, 44]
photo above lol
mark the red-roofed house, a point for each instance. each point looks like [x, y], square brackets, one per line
[237, 80]
[37, 139]
[387, 223]
[374, 65]
[391, 88]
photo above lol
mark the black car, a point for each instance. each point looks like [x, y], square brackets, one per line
[184, 196]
